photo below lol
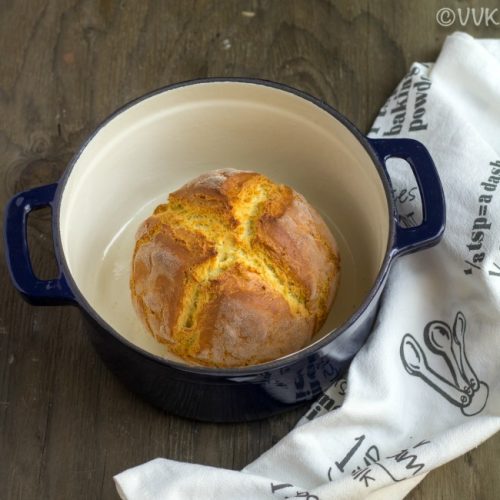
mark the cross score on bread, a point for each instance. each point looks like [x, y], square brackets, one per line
[234, 270]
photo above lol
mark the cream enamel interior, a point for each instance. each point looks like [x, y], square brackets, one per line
[159, 143]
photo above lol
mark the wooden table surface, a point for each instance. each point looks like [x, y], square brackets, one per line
[66, 424]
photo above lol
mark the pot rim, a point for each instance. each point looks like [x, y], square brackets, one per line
[269, 365]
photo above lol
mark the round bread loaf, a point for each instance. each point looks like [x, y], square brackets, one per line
[234, 270]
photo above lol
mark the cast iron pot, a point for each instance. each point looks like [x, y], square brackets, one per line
[155, 144]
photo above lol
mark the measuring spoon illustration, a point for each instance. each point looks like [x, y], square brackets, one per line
[481, 390]
[439, 339]
[459, 338]
[415, 363]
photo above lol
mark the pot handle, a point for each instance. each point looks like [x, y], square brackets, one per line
[430, 231]
[35, 291]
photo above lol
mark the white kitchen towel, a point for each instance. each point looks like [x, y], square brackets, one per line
[425, 388]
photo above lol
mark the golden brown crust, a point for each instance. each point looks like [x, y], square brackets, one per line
[300, 239]
[247, 322]
[234, 270]
[161, 268]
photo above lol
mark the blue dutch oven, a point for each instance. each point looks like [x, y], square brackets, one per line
[155, 144]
